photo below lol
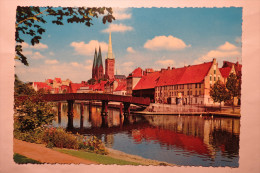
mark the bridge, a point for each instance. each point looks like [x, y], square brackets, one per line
[125, 101]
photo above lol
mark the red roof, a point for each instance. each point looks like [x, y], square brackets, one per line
[185, 75]
[73, 87]
[42, 85]
[195, 73]
[238, 67]
[121, 86]
[49, 80]
[225, 71]
[138, 72]
[148, 82]
[58, 80]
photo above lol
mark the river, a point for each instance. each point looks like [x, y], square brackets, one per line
[181, 140]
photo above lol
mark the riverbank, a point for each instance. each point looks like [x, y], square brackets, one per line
[42, 154]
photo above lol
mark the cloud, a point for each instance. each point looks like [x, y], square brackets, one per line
[36, 46]
[118, 28]
[39, 46]
[53, 68]
[227, 46]
[88, 49]
[121, 14]
[51, 53]
[37, 55]
[130, 50]
[225, 51]
[167, 62]
[75, 64]
[165, 43]
[127, 64]
[50, 61]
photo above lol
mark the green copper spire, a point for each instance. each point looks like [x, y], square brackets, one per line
[99, 58]
[110, 54]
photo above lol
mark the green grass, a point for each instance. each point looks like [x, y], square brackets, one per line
[101, 159]
[20, 159]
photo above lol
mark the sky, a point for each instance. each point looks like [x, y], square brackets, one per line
[141, 37]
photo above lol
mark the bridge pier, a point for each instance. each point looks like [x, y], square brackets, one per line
[126, 109]
[121, 109]
[104, 108]
[90, 111]
[81, 115]
[70, 113]
[59, 112]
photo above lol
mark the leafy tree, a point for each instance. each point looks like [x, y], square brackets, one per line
[233, 86]
[30, 20]
[21, 88]
[32, 112]
[219, 93]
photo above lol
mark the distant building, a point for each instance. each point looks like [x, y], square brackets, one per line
[132, 79]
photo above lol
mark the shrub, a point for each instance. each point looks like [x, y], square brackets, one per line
[93, 144]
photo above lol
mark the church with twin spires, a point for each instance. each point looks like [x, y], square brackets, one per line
[98, 70]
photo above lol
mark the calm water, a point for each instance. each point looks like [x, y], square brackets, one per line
[181, 140]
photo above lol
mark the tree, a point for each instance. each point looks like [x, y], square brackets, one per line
[32, 112]
[233, 86]
[21, 88]
[30, 22]
[219, 93]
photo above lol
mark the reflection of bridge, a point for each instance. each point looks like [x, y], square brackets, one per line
[105, 98]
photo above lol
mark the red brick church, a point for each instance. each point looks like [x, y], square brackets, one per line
[98, 70]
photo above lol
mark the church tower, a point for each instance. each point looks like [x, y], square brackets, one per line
[110, 61]
[97, 69]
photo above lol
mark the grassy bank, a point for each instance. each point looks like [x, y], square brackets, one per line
[101, 159]
[20, 159]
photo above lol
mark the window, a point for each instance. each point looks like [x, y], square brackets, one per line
[210, 77]
[177, 86]
[214, 71]
[196, 92]
[199, 92]
[187, 92]
[218, 77]
[214, 78]
[200, 85]
[195, 85]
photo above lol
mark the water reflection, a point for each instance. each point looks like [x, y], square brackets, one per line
[183, 140]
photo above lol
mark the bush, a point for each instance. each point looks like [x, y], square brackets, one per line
[93, 144]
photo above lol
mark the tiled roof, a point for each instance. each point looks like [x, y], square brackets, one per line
[58, 80]
[42, 85]
[121, 86]
[148, 82]
[185, 75]
[225, 71]
[138, 72]
[73, 87]
[238, 67]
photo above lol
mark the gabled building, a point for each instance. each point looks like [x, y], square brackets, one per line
[146, 86]
[188, 85]
[132, 79]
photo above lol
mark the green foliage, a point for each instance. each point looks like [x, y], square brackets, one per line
[32, 112]
[21, 88]
[30, 22]
[234, 87]
[58, 137]
[219, 93]
[101, 159]
[91, 81]
[20, 159]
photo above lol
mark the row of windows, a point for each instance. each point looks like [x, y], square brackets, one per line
[176, 87]
[176, 93]
[210, 78]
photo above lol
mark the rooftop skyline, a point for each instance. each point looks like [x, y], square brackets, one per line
[141, 37]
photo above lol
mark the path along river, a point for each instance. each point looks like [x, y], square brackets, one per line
[181, 140]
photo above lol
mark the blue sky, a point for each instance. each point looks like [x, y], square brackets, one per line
[141, 37]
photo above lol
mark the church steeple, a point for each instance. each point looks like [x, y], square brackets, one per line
[94, 64]
[110, 54]
[99, 58]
